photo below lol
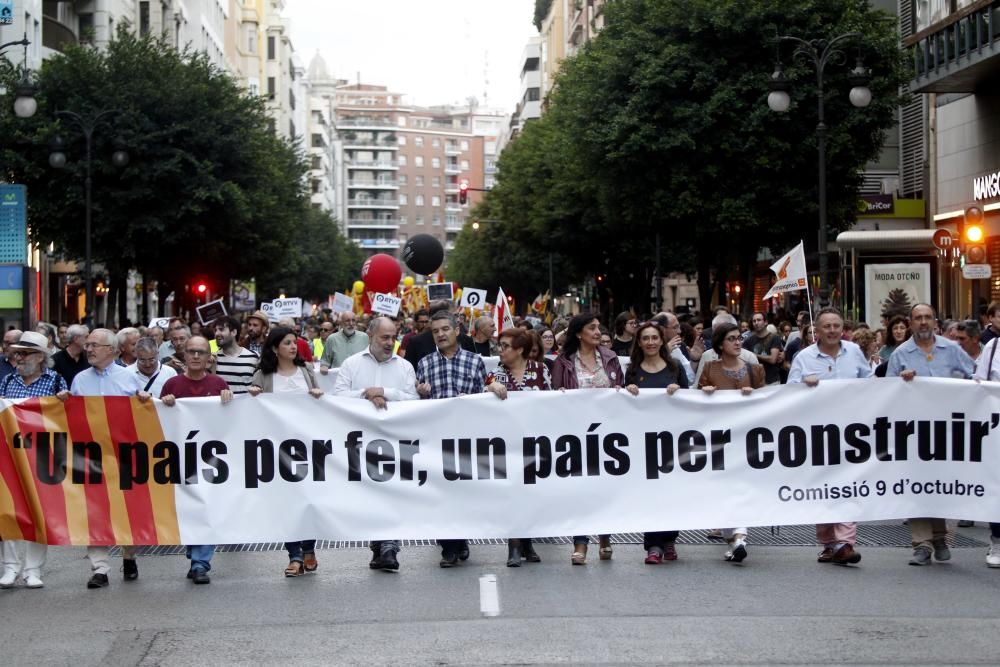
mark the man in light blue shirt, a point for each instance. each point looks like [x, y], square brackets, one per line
[928, 355]
[832, 358]
[105, 378]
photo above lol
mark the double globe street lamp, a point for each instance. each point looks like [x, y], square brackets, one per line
[820, 53]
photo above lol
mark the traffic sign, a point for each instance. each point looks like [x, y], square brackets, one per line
[977, 271]
[943, 239]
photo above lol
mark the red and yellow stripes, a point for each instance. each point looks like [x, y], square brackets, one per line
[88, 513]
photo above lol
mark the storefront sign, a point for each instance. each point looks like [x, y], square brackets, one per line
[986, 187]
[877, 205]
[893, 289]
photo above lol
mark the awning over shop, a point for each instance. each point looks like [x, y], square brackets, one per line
[896, 239]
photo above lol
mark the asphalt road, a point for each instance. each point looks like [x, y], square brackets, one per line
[778, 607]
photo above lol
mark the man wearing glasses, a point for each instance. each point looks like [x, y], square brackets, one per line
[105, 378]
[196, 382]
[6, 361]
[147, 367]
[32, 378]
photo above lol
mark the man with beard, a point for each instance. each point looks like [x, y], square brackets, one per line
[234, 364]
[341, 345]
[31, 378]
[928, 355]
[6, 360]
[257, 326]
[766, 346]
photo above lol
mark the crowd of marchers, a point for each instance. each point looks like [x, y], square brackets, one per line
[436, 353]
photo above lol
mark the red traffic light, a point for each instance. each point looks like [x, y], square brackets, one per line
[201, 288]
[463, 192]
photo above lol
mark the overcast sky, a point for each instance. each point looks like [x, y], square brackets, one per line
[434, 51]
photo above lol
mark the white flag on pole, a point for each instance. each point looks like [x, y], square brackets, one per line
[503, 316]
[790, 270]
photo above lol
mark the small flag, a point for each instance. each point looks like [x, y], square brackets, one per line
[790, 271]
[502, 313]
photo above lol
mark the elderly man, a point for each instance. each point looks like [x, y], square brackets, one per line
[32, 378]
[483, 338]
[166, 346]
[127, 338]
[179, 336]
[343, 344]
[710, 355]
[450, 371]
[151, 373]
[424, 344]
[105, 378]
[71, 360]
[832, 358]
[377, 375]
[672, 328]
[6, 362]
[928, 355]
[196, 382]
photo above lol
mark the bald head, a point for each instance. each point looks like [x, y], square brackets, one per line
[382, 338]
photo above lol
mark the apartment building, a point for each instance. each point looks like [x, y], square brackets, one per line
[529, 105]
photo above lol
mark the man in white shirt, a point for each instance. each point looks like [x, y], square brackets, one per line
[147, 367]
[377, 375]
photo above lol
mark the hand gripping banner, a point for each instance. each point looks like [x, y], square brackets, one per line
[273, 468]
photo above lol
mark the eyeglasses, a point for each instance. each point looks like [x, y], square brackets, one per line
[506, 346]
[91, 346]
[20, 353]
[150, 360]
[197, 353]
[547, 336]
[732, 339]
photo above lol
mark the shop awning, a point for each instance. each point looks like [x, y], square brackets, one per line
[895, 239]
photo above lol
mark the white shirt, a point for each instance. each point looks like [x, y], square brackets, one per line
[289, 384]
[162, 373]
[362, 370]
[685, 364]
[114, 380]
[993, 372]
[711, 355]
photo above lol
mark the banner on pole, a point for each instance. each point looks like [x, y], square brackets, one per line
[790, 271]
[272, 468]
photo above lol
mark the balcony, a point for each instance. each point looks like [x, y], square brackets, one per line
[373, 123]
[377, 244]
[372, 164]
[454, 225]
[452, 150]
[451, 188]
[366, 223]
[372, 203]
[363, 144]
[374, 185]
[452, 168]
[958, 55]
[56, 35]
[453, 207]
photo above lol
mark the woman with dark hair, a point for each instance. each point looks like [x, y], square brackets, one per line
[548, 339]
[730, 372]
[537, 350]
[517, 371]
[897, 333]
[584, 364]
[282, 371]
[625, 325]
[652, 367]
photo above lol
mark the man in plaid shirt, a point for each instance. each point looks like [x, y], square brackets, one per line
[32, 378]
[449, 371]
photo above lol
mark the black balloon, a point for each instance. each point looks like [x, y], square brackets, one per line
[423, 254]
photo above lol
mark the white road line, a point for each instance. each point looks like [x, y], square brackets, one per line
[489, 596]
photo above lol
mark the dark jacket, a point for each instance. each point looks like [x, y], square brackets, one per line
[564, 370]
[423, 344]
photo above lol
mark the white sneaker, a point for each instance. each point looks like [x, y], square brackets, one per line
[737, 550]
[993, 557]
[8, 579]
[33, 581]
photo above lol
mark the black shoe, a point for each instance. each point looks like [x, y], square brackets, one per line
[373, 564]
[528, 551]
[130, 569]
[190, 574]
[201, 577]
[449, 559]
[97, 580]
[513, 556]
[388, 562]
[463, 551]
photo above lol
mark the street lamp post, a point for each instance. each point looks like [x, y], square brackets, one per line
[87, 123]
[820, 53]
[25, 104]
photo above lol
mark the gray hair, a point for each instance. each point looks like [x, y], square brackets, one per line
[445, 315]
[288, 322]
[146, 344]
[123, 335]
[109, 338]
[723, 318]
[74, 330]
[186, 329]
[377, 321]
[482, 320]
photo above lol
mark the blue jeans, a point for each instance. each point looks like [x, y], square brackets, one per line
[201, 556]
[296, 549]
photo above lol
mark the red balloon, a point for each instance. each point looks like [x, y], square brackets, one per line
[381, 273]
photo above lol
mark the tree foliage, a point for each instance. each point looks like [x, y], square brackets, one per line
[210, 190]
[541, 11]
[659, 127]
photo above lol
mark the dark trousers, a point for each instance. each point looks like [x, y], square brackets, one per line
[452, 546]
[585, 539]
[659, 539]
[995, 530]
[296, 549]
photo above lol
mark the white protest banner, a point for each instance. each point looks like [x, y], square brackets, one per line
[280, 467]
[161, 322]
[386, 304]
[790, 271]
[287, 307]
[268, 309]
[342, 303]
[211, 311]
[473, 297]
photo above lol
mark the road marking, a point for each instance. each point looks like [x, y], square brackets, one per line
[489, 596]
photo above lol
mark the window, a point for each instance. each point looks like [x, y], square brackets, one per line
[418, 141]
[317, 140]
[270, 47]
[402, 160]
[271, 85]
[317, 161]
[435, 201]
[403, 200]
[465, 145]
[86, 22]
[251, 38]
[436, 163]
[436, 220]
[402, 219]
[418, 161]
[418, 219]
[418, 200]
[532, 95]
[436, 181]
[402, 140]
[465, 165]
[144, 17]
[435, 142]
[402, 179]
[418, 181]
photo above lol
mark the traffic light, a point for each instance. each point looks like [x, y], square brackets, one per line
[974, 236]
[463, 192]
[201, 288]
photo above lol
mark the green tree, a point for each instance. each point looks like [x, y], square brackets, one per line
[210, 190]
